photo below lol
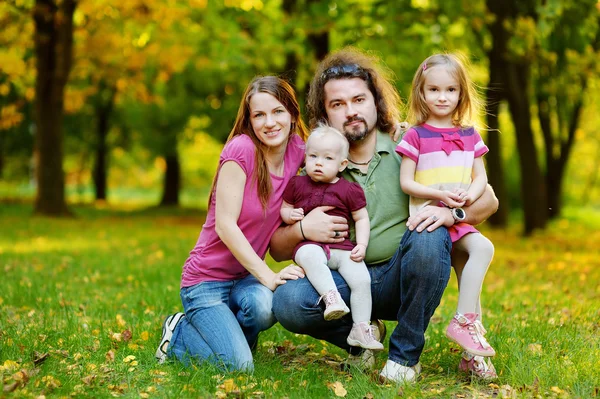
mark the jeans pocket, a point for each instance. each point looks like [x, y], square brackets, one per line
[188, 294]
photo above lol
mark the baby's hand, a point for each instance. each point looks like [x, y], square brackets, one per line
[452, 199]
[358, 252]
[297, 214]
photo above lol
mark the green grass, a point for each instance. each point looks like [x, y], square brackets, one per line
[72, 290]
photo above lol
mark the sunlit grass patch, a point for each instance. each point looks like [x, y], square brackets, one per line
[82, 301]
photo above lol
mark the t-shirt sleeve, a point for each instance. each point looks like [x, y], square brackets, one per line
[241, 150]
[356, 197]
[409, 145]
[297, 152]
[290, 189]
[479, 146]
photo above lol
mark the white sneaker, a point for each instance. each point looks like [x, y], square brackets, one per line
[167, 333]
[394, 372]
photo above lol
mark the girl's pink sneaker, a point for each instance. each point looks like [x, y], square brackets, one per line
[477, 366]
[469, 333]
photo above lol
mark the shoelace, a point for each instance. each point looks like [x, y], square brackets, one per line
[369, 332]
[481, 366]
[329, 297]
[478, 331]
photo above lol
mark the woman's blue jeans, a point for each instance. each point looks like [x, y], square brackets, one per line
[222, 321]
[407, 289]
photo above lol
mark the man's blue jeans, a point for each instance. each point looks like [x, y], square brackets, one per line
[407, 289]
[222, 321]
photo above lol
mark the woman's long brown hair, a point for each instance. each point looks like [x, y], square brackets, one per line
[284, 93]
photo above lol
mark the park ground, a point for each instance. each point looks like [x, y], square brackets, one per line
[82, 301]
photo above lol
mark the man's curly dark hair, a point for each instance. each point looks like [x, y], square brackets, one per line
[350, 63]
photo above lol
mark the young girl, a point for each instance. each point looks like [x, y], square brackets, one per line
[442, 165]
[326, 156]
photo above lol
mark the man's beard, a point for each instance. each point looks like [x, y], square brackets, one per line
[356, 133]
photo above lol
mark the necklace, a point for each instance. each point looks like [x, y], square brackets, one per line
[361, 163]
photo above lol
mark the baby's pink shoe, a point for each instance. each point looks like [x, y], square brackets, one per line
[469, 333]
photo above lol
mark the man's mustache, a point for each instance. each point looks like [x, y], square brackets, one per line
[354, 119]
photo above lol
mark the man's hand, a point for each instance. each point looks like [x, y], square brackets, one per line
[358, 252]
[399, 129]
[430, 218]
[321, 227]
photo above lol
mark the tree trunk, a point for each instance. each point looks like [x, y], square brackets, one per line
[100, 164]
[290, 70]
[494, 96]
[103, 111]
[172, 181]
[53, 50]
[533, 191]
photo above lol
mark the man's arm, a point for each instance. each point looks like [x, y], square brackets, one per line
[432, 217]
[316, 226]
[483, 208]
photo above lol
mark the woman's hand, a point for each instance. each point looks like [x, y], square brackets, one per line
[290, 272]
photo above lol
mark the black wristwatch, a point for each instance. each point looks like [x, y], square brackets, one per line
[458, 214]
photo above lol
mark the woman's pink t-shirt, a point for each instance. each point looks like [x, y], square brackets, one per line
[211, 260]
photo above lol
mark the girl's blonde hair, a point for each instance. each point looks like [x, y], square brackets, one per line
[469, 101]
[323, 130]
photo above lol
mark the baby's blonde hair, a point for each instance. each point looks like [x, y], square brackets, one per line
[469, 101]
[323, 130]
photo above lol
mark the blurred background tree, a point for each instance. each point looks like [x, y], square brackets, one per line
[154, 87]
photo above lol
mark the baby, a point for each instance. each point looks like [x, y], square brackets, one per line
[326, 156]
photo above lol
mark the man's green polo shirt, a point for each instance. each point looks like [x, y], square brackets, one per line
[386, 203]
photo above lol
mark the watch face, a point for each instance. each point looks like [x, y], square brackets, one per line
[460, 214]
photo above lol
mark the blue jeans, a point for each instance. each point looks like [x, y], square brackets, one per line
[222, 321]
[407, 289]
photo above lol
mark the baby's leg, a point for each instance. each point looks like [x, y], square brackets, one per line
[481, 252]
[314, 262]
[358, 279]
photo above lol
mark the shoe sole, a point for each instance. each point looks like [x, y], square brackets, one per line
[471, 351]
[354, 342]
[336, 314]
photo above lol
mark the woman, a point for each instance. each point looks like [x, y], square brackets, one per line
[226, 286]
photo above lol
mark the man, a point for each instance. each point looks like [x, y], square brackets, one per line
[352, 93]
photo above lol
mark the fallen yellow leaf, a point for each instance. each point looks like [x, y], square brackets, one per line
[338, 389]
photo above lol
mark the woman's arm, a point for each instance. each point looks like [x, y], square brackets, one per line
[229, 200]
